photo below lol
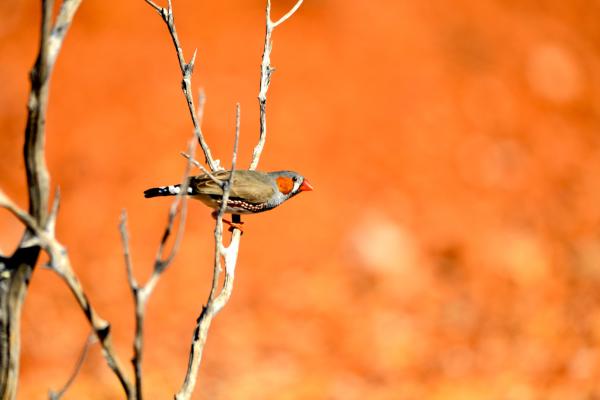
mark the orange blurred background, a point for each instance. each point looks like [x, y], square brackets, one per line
[451, 249]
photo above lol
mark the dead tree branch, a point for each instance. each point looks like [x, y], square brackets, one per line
[215, 302]
[86, 347]
[61, 264]
[203, 169]
[265, 78]
[217, 299]
[186, 83]
[15, 271]
[40, 225]
[141, 294]
[40, 222]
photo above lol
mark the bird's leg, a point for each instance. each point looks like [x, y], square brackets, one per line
[235, 223]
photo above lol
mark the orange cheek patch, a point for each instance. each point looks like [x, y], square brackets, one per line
[285, 185]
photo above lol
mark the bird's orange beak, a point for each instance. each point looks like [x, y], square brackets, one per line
[305, 187]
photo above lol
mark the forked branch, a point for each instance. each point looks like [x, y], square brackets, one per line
[40, 222]
[61, 264]
[215, 301]
[141, 294]
[16, 270]
[186, 83]
[265, 78]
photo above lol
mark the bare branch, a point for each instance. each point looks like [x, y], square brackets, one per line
[139, 308]
[38, 179]
[265, 78]
[17, 269]
[63, 21]
[61, 264]
[157, 8]
[236, 141]
[216, 301]
[127, 255]
[287, 15]
[224, 200]
[186, 82]
[143, 293]
[201, 104]
[201, 167]
[140, 302]
[51, 224]
[181, 198]
[214, 304]
[88, 342]
[52, 38]
[209, 311]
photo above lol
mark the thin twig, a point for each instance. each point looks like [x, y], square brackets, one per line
[62, 24]
[86, 346]
[141, 294]
[126, 253]
[265, 78]
[181, 199]
[214, 303]
[157, 8]
[201, 167]
[225, 199]
[186, 82]
[287, 15]
[201, 104]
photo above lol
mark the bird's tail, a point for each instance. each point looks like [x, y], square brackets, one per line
[171, 190]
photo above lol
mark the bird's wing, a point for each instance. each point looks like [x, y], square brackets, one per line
[251, 186]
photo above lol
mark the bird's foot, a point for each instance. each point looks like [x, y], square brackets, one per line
[236, 222]
[233, 225]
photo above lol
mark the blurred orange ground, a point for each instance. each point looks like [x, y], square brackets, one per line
[451, 249]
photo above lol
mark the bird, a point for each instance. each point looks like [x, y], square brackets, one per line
[251, 191]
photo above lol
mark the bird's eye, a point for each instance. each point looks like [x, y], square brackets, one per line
[294, 179]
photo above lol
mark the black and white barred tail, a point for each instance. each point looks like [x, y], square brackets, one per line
[171, 190]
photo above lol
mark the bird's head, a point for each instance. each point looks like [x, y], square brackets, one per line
[290, 183]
